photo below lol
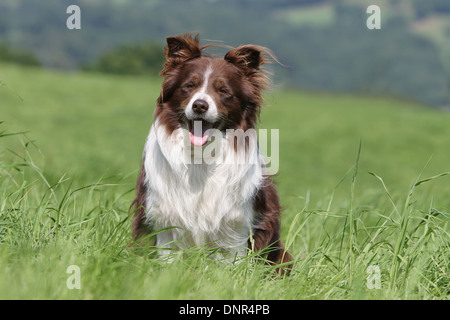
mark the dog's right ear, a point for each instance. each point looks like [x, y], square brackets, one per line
[180, 49]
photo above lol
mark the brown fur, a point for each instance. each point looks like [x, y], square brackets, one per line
[238, 81]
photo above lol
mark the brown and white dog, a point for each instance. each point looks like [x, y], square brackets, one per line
[220, 203]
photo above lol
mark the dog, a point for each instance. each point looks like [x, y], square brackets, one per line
[231, 204]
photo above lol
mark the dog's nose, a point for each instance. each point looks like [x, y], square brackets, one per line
[200, 106]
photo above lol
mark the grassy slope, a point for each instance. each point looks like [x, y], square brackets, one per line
[90, 130]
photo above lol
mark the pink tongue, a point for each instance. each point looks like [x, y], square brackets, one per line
[196, 140]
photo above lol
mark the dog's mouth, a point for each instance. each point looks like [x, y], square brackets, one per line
[200, 130]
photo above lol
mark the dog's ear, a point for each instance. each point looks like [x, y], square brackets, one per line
[179, 49]
[248, 58]
[183, 47]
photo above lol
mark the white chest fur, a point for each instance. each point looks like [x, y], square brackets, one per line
[208, 203]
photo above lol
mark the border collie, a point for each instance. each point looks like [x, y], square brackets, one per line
[227, 202]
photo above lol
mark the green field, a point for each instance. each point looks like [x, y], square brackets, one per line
[66, 185]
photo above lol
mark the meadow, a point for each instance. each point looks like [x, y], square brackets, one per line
[363, 182]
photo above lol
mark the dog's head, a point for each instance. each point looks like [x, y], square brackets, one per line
[220, 93]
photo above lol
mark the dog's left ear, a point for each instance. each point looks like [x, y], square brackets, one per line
[248, 58]
[183, 47]
[179, 49]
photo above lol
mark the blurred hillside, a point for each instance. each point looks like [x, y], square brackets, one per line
[323, 45]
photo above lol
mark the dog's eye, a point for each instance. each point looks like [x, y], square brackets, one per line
[189, 85]
[224, 91]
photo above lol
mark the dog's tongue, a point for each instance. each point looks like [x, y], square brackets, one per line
[197, 134]
[198, 140]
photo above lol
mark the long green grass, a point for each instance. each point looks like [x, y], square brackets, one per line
[363, 182]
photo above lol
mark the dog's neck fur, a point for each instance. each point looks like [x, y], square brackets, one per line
[209, 203]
